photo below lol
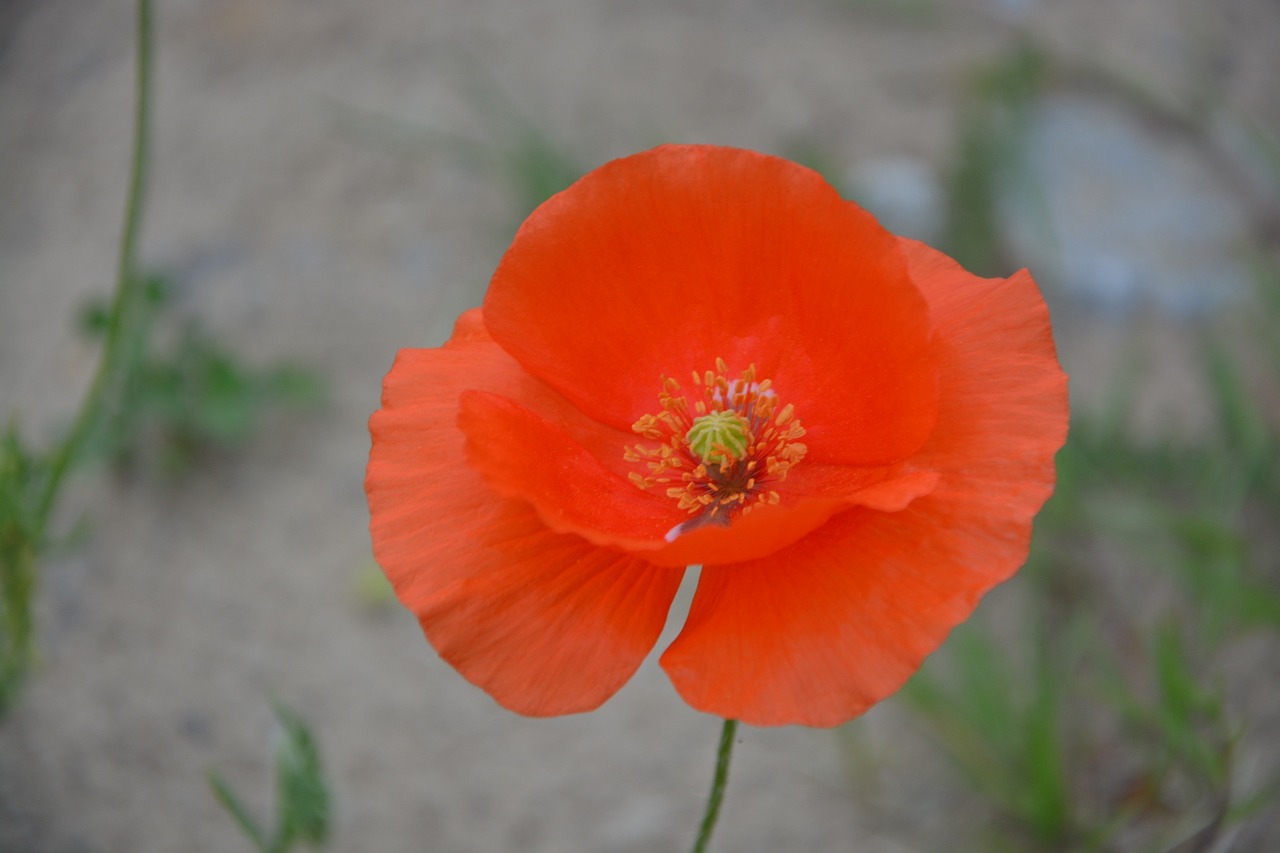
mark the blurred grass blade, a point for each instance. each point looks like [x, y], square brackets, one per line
[19, 546]
[242, 817]
[1049, 795]
[303, 793]
[1239, 418]
[992, 129]
[181, 401]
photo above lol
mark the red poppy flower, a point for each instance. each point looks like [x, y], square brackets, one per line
[704, 356]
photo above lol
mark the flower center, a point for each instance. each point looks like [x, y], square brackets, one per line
[717, 437]
[722, 452]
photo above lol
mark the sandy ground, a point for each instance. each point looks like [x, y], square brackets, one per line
[302, 229]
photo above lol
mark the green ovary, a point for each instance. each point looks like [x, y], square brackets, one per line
[716, 432]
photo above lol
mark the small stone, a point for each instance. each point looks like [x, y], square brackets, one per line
[1117, 215]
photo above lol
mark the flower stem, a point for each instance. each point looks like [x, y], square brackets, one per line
[718, 783]
[91, 406]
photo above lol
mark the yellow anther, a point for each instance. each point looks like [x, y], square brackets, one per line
[725, 444]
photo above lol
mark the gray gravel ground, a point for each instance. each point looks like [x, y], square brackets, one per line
[304, 222]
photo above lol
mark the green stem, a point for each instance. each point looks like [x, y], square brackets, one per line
[718, 783]
[90, 407]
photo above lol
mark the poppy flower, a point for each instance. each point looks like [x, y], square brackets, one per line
[705, 356]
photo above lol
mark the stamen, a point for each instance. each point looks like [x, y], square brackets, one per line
[725, 450]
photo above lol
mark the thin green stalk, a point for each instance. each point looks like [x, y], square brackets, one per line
[718, 783]
[91, 406]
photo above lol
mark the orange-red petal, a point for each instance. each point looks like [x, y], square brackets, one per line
[818, 632]
[528, 456]
[662, 262]
[546, 623]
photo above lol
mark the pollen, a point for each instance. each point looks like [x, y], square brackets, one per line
[719, 449]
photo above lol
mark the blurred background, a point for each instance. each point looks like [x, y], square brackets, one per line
[332, 181]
